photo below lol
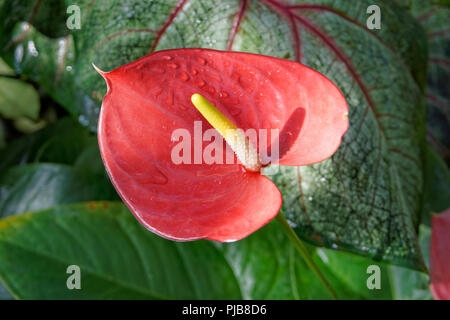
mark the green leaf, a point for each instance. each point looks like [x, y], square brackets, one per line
[60, 142]
[41, 186]
[4, 294]
[436, 21]
[351, 271]
[2, 134]
[119, 259]
[437, 185]
[18, 99]
[268, 267]
[370, 200]
[117, 256]
[5, 69]
[409, 284]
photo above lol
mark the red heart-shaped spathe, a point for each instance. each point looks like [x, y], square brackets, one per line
[150, 98]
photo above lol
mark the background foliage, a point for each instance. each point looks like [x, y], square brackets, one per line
[372, 198]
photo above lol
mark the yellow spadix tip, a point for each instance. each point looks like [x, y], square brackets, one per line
[235, 137]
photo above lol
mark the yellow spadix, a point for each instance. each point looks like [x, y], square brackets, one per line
[236, 139]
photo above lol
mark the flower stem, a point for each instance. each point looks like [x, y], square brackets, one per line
[304, 253]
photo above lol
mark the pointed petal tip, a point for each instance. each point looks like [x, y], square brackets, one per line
[102, 73]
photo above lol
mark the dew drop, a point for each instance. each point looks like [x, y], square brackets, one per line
[211, 90]
[236, 77]
[201, 83]
[167, 58]
[83, 120]
[172, 65]
[155, 176]
[32, 49]
[235, 111]
[223, 94]
[18, 53]
[194, 72]
[184, 76]
[201, 60]
[169, 99]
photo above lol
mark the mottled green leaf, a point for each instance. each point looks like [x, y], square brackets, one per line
[365, 199]
[436, 21]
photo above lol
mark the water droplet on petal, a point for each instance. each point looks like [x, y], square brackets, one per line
[235, 77]
[194, 72]
[234, 101]
[184, 76]
[155, 176]
[169, 99]
[167, 58]
[201, 83]
[172, 65]
[223, 94]
[235, 111]
[201, 60]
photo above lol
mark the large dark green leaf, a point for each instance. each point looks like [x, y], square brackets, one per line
[117, 256]
[366, 199]
[407, 284]
[41, 186]
[121, 259]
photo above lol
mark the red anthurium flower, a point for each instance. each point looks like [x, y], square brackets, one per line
[440, 256]
[149, 99]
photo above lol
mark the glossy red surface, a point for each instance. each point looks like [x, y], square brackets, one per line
[150, 98]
